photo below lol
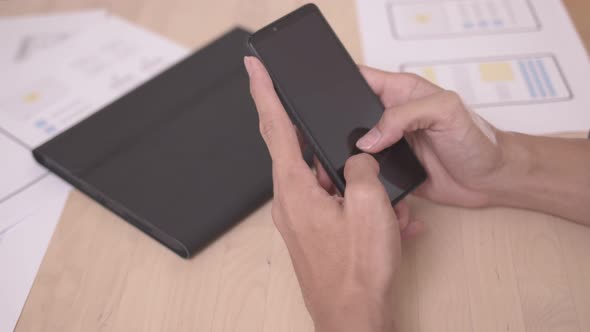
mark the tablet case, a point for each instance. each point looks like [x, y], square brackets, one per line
[179, 157]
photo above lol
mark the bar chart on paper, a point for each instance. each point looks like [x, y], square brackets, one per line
[517, 63]
[446, 18]
[500, 81]
[35, 110]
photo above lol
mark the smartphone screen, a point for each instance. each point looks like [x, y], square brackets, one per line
[327, 97]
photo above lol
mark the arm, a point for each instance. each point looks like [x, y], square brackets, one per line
[550, 175]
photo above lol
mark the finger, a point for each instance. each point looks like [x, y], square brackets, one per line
[380, 81]
[414, 228]
[409, 228]
[363, 187]
[323, 177]
[397, 88]
[275, 126]
[435, 112]
[402, 211]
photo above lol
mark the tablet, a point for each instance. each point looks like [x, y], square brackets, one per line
[179, 157]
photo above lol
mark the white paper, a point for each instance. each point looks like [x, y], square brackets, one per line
[412, 19]
[40, 98]
[518, 63]
[22, 248]
[19, 170]
[21, 37]
[88, 72]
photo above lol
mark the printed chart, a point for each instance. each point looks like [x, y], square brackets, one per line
[30, 44]
[34, 111]
[501, 81]
[446, 18]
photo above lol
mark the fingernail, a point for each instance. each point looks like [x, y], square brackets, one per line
[370, 139]
[248, 64]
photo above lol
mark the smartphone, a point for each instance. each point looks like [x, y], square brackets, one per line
[328, 99]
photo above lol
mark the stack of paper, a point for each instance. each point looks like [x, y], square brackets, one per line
[56, 71]
[518, 63]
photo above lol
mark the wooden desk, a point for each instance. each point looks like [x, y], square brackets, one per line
[474, 270]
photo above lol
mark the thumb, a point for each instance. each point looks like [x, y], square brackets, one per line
[436, 112]
[363, 187]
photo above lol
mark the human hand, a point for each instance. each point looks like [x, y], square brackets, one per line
[460, 151]
[344, 250]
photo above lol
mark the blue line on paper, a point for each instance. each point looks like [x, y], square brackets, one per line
[527, 78]
[40, 123]
[545, 77]
[533, 70]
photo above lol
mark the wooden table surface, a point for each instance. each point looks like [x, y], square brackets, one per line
[473, 270]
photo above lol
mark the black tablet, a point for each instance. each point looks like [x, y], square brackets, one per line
[180, 157]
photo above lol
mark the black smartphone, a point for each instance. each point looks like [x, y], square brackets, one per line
[328, 99]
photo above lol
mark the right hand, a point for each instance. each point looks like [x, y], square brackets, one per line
[460, 151]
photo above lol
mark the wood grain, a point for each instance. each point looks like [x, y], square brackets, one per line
[473, 270]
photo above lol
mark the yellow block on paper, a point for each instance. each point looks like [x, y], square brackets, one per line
[31, 97]
[422, 18]
[496, 72]
[429, 74]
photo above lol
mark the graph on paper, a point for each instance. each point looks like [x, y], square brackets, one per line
[446, 18]
[500, 81]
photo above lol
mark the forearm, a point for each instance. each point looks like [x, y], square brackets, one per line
[356, 317]
[550, 175]
[354, 309]
[352, 325]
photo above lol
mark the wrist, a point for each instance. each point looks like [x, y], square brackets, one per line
[544, 174]
[355, 317]
[512, 177]
[354, 324]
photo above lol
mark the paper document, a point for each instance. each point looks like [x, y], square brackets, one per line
[85, 74]
[21, 37]
[41, 97]
[518, 63]
[412, 19]
[501, 81]
[22, 248]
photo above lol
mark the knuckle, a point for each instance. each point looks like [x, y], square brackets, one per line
[413, 76]
[388, 119]
[452, 101]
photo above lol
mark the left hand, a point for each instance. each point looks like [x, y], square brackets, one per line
[344, 250]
